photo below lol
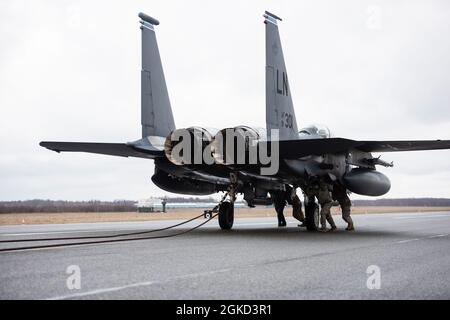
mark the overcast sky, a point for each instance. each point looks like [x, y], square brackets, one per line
[70, 71]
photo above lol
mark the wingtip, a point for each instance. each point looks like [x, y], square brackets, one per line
[45, 144]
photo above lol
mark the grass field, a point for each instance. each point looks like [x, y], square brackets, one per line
[86, 217]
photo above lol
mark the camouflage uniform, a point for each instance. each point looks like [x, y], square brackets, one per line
[340, 194]
[322, 193]
[279, 202]
[289, 196]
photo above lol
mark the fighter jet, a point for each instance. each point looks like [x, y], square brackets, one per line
[303, 157]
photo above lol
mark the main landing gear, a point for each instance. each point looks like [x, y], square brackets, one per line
[225, 208]
[226, 215]
[312, 214]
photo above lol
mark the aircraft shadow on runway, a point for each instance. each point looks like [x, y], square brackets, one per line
[295, 233]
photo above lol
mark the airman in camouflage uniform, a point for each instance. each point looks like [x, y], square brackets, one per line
[340, 194]
[289, 196]
[322, 192]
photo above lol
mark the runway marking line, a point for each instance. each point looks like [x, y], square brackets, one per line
[438, 236]
[115, 231]
[56, 232]
[408, 240]
[422, 216]
[423, 238]
[135, 285]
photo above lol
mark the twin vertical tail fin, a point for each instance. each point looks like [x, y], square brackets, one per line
[156, 112]
[279, 107]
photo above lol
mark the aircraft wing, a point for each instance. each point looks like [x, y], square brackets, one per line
[292, 149]
[289, 149]
[112, 149]
[402, 145]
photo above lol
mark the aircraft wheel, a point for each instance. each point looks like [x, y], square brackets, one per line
[226, 215]
[312, 216]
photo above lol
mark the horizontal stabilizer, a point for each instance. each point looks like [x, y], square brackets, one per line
[112, 149]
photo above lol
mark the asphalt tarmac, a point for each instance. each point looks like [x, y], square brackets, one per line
[389, 256]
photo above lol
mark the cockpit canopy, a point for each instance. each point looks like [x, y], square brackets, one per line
[315, 131]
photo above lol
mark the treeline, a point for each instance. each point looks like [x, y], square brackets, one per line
[34, 206]
[52, 206]
[407, 202]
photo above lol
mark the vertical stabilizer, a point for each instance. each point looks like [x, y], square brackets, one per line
[156, 112]
[279, 107]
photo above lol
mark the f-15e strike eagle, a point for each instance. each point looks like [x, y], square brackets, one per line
[302, 157]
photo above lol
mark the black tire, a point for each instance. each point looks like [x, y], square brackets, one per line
[226, 215]
[312, 216]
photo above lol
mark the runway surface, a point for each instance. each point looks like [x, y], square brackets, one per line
[256, 260]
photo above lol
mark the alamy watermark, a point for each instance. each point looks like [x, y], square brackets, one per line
[73, 281]
[232, 146]
[374, 277]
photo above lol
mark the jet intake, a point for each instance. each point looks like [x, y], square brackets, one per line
[367, 182]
